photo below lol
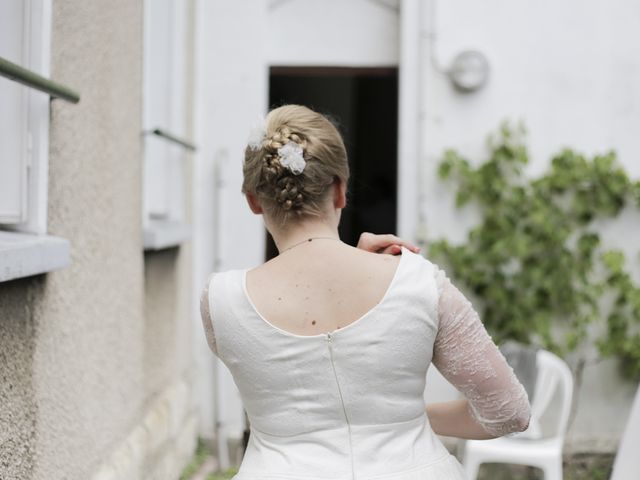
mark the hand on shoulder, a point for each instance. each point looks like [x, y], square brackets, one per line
[388, 243]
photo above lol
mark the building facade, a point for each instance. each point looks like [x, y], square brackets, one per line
[96, 357]
[114, 210]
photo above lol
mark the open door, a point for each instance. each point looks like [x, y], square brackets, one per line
[363, 103]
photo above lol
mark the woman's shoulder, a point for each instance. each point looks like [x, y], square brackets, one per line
[419, 261]
[218, 281]
[422, 261]
[422, 275]
[224, 276]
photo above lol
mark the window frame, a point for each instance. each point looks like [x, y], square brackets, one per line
[25, 249]
[34, 161]
[164, 123]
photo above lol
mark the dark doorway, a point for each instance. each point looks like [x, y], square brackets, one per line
[363, 102]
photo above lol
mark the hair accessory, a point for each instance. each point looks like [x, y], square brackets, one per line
[291, 157]
[257, 135]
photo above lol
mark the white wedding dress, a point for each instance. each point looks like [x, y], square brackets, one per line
[349, 404]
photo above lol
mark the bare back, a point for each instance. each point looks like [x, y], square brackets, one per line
[320, 287]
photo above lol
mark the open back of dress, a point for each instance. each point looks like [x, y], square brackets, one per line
[347, 404]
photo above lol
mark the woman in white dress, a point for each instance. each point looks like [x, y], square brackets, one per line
[329, 344]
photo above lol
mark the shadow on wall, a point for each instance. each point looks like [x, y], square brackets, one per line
[162, 325]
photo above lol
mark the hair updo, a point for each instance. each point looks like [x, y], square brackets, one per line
[283, 195]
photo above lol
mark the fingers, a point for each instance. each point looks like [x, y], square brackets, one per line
[386, 243]
[408, 245]
[389, 240]
[392, 250]
[366, 241]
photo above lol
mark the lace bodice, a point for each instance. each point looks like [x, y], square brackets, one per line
[465, 355]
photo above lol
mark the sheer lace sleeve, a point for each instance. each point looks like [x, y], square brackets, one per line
[467, 357]
[205, 314]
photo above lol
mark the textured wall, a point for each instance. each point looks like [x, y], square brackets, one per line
[168, 332]
[95, 358]
[90, 323]
[17, 402]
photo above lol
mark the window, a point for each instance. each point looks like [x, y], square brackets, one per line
[165, 123]
[25, 249]
[25, 29]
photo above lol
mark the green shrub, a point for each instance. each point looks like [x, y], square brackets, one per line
[535, 259]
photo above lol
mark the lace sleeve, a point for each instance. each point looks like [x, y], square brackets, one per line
[467, 357]
[205, 314]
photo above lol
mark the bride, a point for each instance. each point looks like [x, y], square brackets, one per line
[329, 344]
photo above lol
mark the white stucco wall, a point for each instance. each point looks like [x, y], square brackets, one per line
[332, 32]
[570, 71]
[231, 96]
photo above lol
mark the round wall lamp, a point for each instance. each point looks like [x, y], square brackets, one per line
[469, 71]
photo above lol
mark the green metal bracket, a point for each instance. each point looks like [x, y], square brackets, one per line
[31, 79]
[172, 138]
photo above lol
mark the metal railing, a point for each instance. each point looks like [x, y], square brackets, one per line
[172, 138]
[31, 79]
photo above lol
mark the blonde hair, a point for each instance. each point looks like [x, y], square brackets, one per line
[284, 196]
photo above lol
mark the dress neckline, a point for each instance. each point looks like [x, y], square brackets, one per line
[336, 331]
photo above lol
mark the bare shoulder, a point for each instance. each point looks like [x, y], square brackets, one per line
[265, 270]
[346, 259]
[377, 261]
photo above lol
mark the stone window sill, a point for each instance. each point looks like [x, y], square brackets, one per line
[24, 254]
[161, 234]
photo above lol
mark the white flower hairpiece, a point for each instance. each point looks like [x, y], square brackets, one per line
[256, 135]
[292, 157]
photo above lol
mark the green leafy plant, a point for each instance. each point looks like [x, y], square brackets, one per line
[199, 457]
[197, 463]
[535, 260]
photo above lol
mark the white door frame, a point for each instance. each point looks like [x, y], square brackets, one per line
[409, 98]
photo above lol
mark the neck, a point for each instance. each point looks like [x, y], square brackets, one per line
[287, 237]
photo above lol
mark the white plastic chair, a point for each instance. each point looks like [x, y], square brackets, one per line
[529, 447]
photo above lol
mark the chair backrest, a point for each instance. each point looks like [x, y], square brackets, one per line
[553, 373]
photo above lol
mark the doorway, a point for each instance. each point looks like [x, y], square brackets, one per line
[363, 103]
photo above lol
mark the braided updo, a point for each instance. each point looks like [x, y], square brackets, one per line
[284, 195]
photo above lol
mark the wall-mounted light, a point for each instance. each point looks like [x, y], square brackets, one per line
[469, 71]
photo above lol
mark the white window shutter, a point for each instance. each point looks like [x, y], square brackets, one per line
[164, 70]
[177, 119]
[14, 139]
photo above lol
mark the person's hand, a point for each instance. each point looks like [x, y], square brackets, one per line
[388, 243]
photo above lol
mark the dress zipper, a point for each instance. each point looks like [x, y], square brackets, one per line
[344, 410]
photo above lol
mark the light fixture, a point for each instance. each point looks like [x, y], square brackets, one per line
[469, 71]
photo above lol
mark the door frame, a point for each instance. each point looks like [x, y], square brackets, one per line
[409, 124]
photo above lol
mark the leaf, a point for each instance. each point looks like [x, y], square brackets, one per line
[613, 260]
[533, 261]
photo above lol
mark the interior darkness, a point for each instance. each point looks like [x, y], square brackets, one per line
[363, 103]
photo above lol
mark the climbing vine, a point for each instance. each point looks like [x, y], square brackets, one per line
[536, 260]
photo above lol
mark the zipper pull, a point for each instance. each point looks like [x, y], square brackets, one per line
[328, 337]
